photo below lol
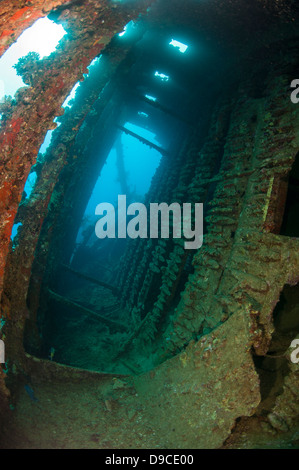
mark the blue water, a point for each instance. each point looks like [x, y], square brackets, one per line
[140, 162]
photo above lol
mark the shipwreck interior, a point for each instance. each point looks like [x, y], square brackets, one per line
[137, 342]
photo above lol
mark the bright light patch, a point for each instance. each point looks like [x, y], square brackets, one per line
[128, 29]
[67, 103]
[15, 230]
[31, 180]
[94, 61]
[42, 37]
[123, 32]
[2, 89]
[46, 143]
[71, 96]
[162, 76]
[151, 98]
[182, 47]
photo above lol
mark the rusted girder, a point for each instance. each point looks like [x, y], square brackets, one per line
[74, 305]
[91, 279]
[143, 140]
